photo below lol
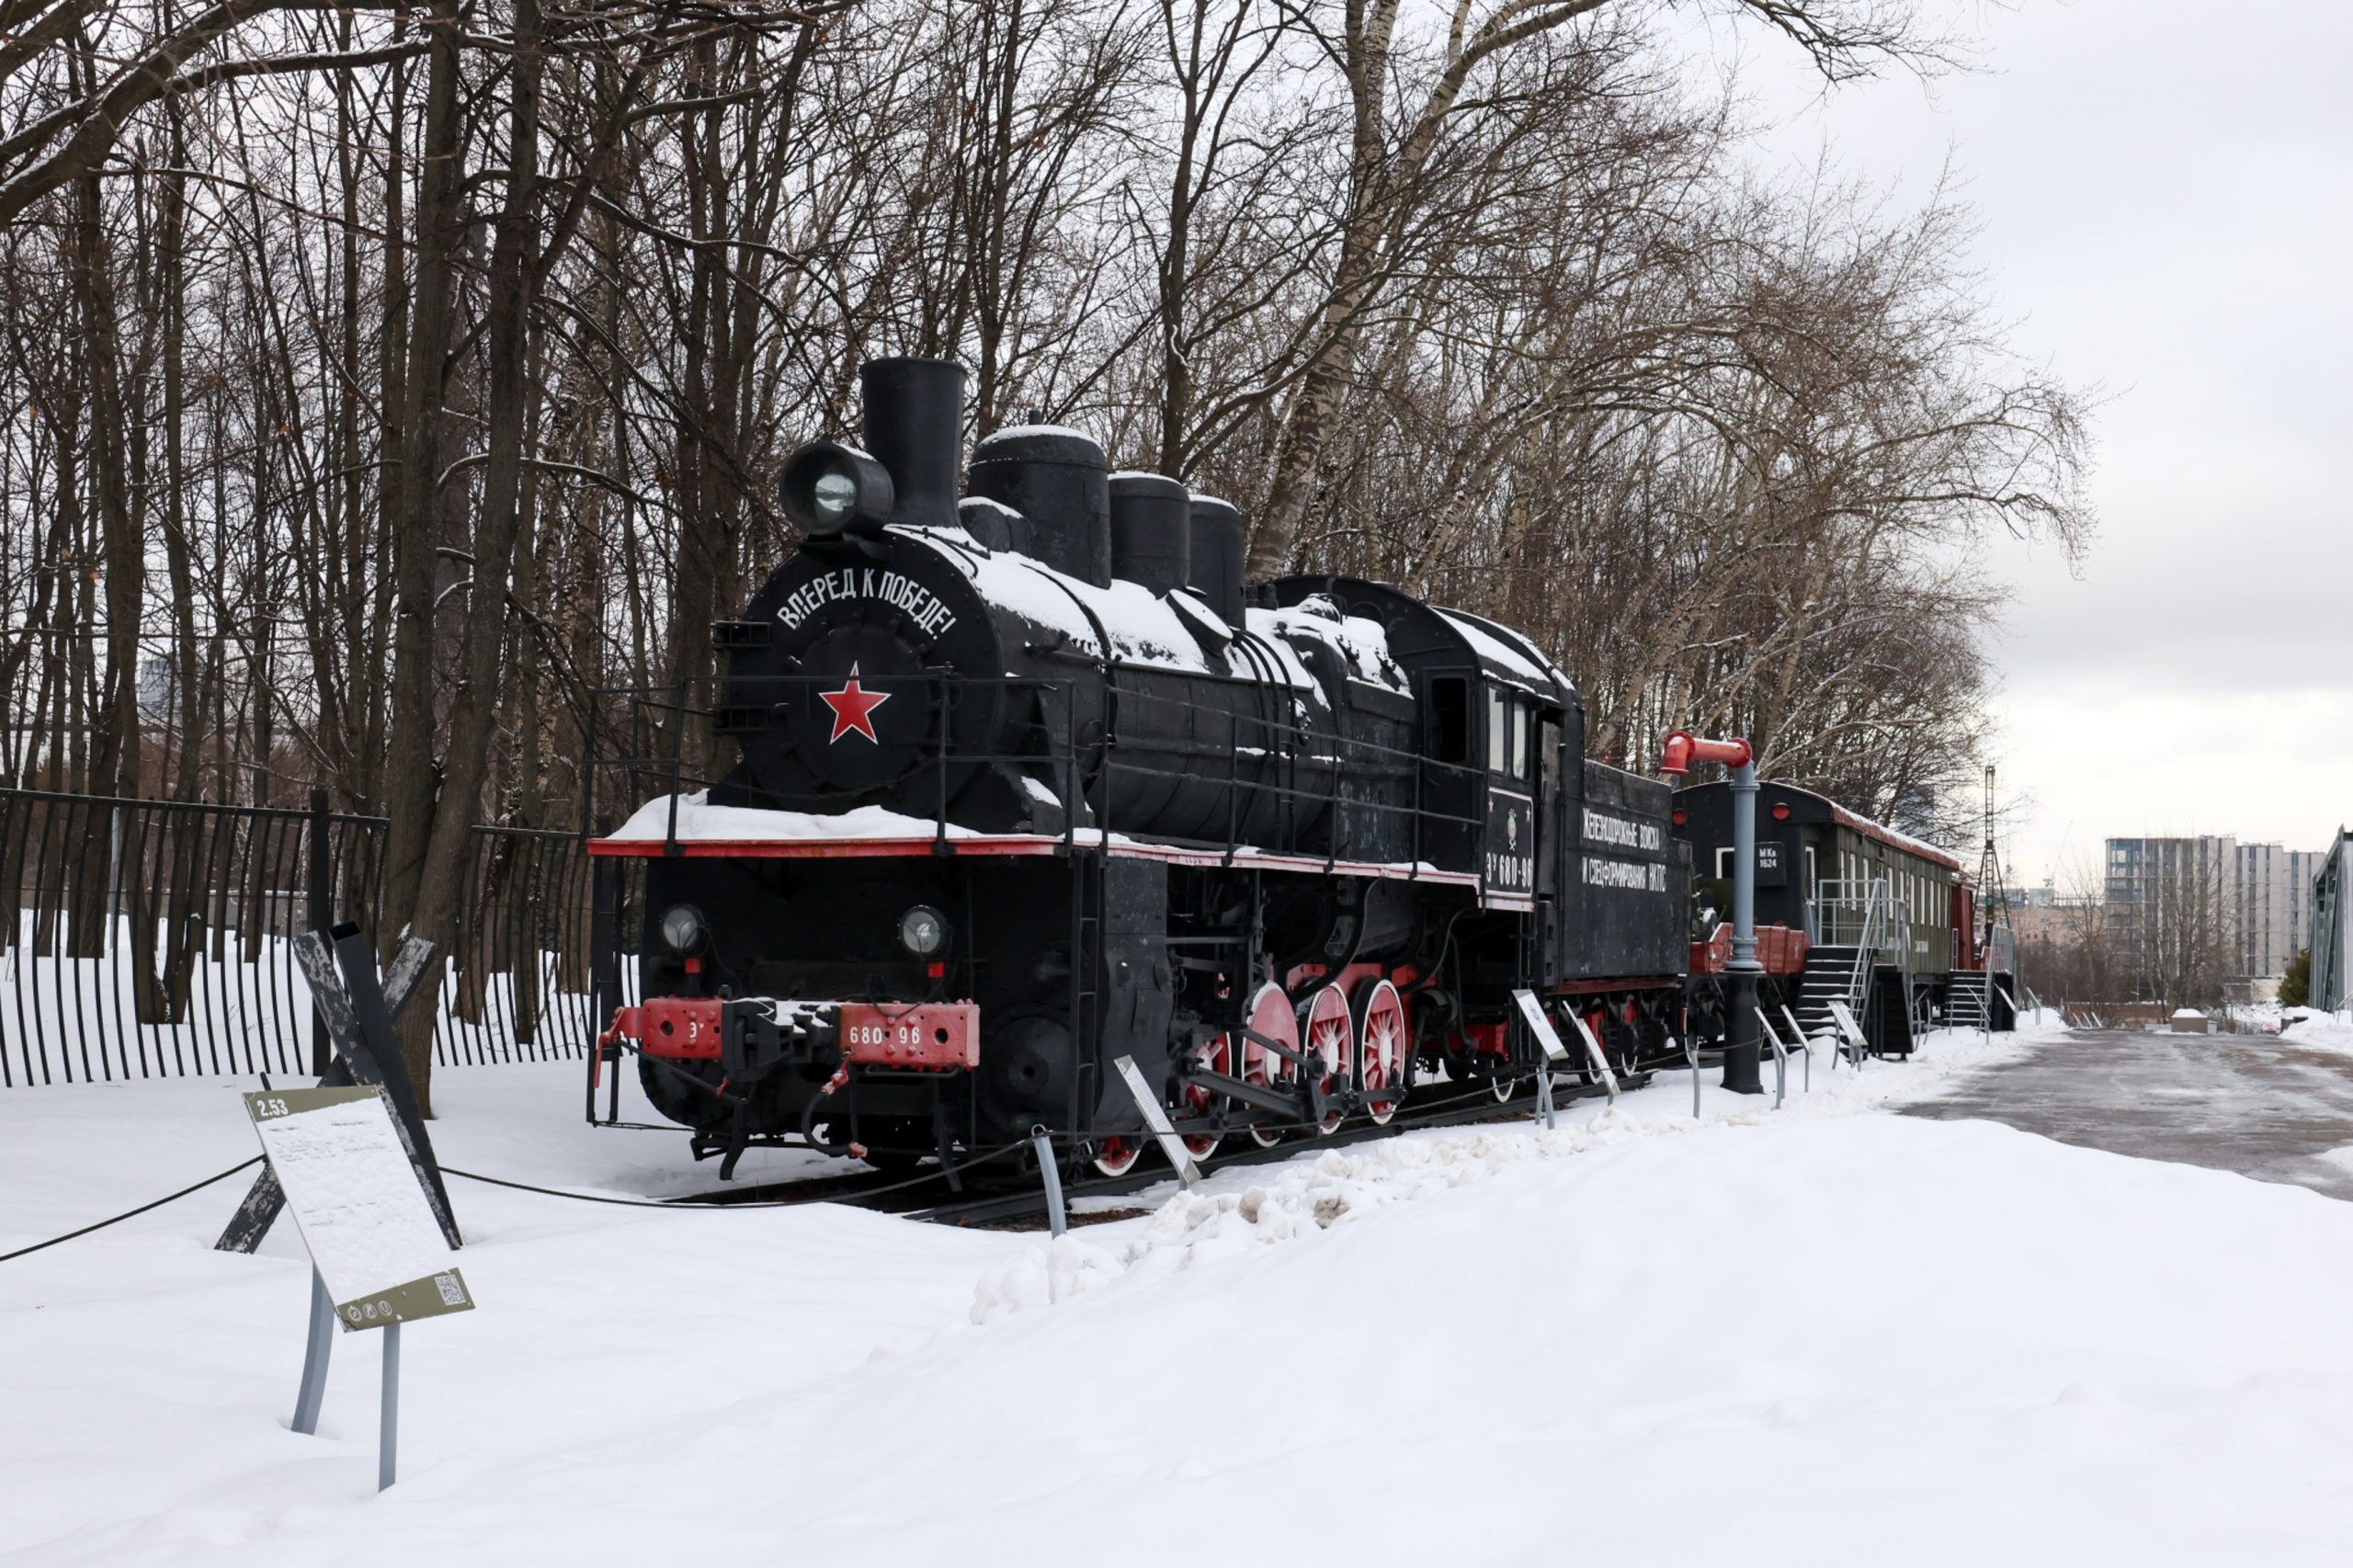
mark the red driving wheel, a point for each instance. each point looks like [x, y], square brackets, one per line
[1271, 1017]
[1330, 1037]
[1380, 1055]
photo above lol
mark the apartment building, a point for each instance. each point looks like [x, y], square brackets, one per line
[2257, 895]
[2275, 903]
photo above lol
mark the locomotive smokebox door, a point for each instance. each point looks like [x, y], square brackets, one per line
[865, 720]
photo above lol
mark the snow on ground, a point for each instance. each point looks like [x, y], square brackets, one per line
[2321, 1031]
[1245, 1206]
[1820, 1337]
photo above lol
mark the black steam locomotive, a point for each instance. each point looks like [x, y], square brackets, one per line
[1031, 792]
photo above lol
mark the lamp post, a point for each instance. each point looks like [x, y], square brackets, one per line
[1742, 1056]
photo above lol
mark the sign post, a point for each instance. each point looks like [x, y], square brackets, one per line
[1050, 1173]
[1548, 1040]
[1594, 1054]
[378, 1255]
[1781, 1059]
[1799, 1034]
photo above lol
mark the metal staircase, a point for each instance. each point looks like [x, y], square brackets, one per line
[1830, 973]
[1966, 1002]
[1864, 927]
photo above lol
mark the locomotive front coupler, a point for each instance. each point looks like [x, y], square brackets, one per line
[756, 1037]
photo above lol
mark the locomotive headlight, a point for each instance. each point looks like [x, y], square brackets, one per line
[923, 931]
[683, 929]
[832, 495]
[827, 488]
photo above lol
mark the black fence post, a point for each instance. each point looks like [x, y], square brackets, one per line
[604, 970]
[322, 874]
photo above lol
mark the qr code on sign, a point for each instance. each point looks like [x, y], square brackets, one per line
[452, 1293]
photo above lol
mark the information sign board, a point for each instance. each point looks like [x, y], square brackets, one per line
[1595, 1054]
[1158, 1119]
[1845, 1019]
[1546, 1037]
[361, 1209]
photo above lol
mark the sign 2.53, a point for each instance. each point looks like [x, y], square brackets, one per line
[269, 1107]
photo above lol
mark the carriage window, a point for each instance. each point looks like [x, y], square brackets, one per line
[1548, 758]
[1522, 721]
[1498, 732]
[1451, 719]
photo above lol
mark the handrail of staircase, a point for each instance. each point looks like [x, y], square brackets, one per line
[1866, 951]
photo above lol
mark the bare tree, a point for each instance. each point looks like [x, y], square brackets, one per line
[396, 383]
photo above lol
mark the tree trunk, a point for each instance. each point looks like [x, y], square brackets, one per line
[513, 269]
[411, 775]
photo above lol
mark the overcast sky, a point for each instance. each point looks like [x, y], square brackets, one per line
[2166, 199]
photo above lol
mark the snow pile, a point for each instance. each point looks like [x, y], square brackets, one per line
[1304, 1197]
[2255, 1018]
[2318, 1031]
[1316, 1193]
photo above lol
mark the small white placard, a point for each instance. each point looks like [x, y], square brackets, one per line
[359, 1204]
[1593, 1053]
[1540, 1025]
[1158, 1119]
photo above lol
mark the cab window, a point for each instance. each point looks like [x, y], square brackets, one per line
[1451, 719]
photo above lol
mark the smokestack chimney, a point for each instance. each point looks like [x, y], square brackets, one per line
[914, 425]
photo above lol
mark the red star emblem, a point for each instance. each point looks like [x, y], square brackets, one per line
[853, 708]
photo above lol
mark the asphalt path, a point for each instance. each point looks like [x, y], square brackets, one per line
[2245, 1103]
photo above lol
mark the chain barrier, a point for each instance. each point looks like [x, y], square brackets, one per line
[687, 1203]
[1075, 1140]
[132, 1213]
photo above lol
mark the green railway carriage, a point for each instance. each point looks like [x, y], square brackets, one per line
[1846, 882]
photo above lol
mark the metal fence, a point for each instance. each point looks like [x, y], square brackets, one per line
[153, 938]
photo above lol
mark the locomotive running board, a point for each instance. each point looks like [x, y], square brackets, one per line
[1086, 840]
